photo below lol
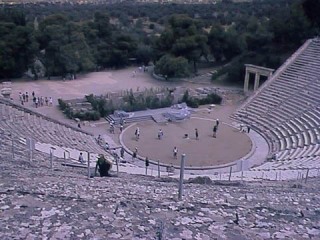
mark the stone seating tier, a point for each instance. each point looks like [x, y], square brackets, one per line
[286, 108]
[27, 125]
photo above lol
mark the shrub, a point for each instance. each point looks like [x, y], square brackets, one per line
[193, 102]
[212, 98]
[88, 115]
[62, 104]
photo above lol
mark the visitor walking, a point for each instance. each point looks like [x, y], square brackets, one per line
[215, 129]
[175, 152]
[36, 102]
[122, 152]
[160, 134]
[20, 98]
[137, 133]
[111, 128]
[197, 133]
[99, 139]
[134, 154]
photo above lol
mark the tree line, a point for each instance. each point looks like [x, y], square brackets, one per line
[175, 38]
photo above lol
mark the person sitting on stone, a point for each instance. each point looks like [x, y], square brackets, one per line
[81, 158]
[103, 166]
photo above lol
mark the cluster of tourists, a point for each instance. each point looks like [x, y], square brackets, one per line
[38, 101]
[160, 136]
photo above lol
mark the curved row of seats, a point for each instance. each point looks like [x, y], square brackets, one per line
[286, 111]
[26, 125]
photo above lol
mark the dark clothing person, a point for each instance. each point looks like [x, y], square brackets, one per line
[134, 154]
[215, 128]
[122, 152]
[175, 152]
[103, 166]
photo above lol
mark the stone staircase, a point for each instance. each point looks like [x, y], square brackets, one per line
[128, 120]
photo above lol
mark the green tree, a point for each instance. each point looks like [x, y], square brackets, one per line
[17, 45]
[64, 46]
[216, 41]
[290, 27]
[184, 37]
[144, 54]
[123, 48]
[171, 66]
[311, 9]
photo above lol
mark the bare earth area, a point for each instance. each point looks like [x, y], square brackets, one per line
[93, 83]
[228, 146]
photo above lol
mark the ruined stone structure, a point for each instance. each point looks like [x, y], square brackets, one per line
[258, 71]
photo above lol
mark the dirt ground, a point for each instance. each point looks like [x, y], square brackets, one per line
[228, 146]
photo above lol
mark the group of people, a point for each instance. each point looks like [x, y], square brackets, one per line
[37, 101]
[175, 149]
[196, 131]
[142, 68]
[112, 126]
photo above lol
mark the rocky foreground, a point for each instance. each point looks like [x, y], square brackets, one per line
[40, 203]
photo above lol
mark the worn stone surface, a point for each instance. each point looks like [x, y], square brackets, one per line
[36, 202]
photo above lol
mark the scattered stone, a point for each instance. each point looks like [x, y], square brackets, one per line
[186, 234]
[5, 207]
